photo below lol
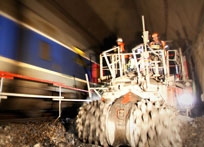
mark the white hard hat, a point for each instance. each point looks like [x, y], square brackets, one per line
[119, 40]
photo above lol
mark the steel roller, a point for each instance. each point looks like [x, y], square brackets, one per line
[129, 120]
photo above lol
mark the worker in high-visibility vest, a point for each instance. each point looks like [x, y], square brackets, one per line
[124, 58]
[121, 45]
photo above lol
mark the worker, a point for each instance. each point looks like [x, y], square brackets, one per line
[121, 45]
[124, 57]
[157, 43]
[131, 63]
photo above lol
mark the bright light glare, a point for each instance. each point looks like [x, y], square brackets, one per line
[186, 99]
[94, 96]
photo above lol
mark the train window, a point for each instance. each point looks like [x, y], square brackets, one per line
[45, 50]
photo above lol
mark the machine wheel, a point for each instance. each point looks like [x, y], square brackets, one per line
[90, 123]
[140, 122]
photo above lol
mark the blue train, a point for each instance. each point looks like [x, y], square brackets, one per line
[26, 51]
[20, 44]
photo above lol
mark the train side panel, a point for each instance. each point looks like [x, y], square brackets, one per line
[21, 44]
[8, 41]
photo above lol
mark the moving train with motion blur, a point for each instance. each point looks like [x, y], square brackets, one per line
[40, 59]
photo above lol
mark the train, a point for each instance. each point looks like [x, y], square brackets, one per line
[27, 51]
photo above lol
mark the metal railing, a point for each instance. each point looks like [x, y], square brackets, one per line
[59, 98]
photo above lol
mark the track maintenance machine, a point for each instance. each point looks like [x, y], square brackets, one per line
[140, 100]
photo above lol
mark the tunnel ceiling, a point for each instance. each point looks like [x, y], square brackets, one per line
[100, 22]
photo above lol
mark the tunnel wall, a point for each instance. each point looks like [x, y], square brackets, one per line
[198, 58]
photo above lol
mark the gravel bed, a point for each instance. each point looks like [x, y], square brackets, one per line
[61, 133]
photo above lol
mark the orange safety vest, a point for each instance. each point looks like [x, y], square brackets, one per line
[122, 46]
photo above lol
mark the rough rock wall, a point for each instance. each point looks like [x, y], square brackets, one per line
[197, 54]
